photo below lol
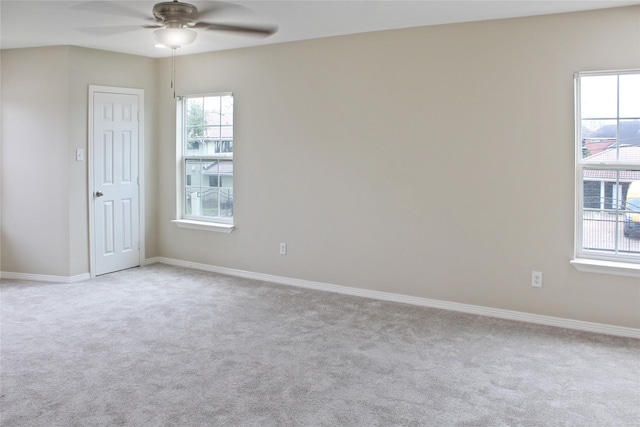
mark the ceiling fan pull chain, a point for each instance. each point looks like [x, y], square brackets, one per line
[173, 71]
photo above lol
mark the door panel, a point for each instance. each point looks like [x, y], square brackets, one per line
[115, 182]
[107, 229]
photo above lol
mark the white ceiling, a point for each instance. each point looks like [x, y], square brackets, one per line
[93, 23]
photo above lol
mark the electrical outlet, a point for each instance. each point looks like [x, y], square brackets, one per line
[283, 248]
[536, 279]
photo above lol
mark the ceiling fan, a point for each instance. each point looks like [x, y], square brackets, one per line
[175, 21]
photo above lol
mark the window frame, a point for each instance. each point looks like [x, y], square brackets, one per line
[591, 260]
[219, 223]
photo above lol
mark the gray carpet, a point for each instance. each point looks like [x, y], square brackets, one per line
[165, 346]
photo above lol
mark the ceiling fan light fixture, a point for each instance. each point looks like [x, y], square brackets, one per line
[175, 37]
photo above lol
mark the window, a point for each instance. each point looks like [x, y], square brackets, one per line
[608, 167]
[205, 137]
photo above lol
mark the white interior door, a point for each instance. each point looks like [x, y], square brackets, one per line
[115, 151]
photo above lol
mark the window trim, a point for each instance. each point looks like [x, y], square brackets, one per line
[182, 220]
[204, 225]
[594, 261]
[606, 267]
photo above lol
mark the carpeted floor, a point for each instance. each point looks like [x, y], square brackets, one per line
[167, 346]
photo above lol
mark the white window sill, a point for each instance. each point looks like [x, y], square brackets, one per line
[606, 267]
[203, 225]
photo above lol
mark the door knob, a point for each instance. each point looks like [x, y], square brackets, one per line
[99, 193]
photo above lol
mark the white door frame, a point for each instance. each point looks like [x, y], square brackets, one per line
[125, 91]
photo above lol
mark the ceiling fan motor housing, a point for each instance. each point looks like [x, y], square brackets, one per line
[175, 12]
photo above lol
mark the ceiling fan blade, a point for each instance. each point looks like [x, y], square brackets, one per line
[265, 30]
[108, 31]
[110, 8]
[213, 7]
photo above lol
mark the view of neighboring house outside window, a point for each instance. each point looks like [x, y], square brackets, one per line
[206, 127]
[608, 166]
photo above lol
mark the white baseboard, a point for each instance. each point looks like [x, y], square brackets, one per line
[58, 279]
[424, 302]
[44, 277]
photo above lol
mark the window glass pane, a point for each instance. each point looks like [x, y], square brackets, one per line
[212, 132]
[226, 202]
[610, 202]
[630, 134]
[226, 169]
[226, 188]
[193, 205]
[193, 173]
[187, 207]
[194, 131]
[599, 229]
[599, 128]
[225, 146]
[598, 136]
[226, 105]
[212, 146]
[226, 132]
[195, 114]
[210, 199]
[212, 110]
[630, 95]
[599, 97]
[195, 147]
[211, 170]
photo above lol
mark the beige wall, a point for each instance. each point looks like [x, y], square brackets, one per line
[435, 162]
[35, 215]
[45, 228]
